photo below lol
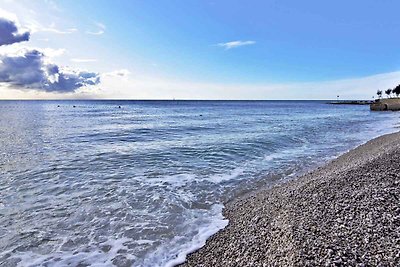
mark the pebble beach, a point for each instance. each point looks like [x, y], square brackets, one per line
[346, 213]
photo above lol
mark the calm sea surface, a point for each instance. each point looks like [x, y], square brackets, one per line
[145, 184]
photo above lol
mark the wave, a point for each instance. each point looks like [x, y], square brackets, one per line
[174, 253]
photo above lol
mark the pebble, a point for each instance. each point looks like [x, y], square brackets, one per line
[345, 213]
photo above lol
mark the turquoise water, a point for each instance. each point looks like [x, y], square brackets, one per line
[144, 184]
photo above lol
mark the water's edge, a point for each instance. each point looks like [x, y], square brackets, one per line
[181, 259]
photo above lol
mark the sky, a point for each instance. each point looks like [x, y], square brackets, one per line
[198, 49]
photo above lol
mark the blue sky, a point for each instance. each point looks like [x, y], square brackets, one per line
[218, 49]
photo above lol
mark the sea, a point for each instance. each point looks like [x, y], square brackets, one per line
[144, 183]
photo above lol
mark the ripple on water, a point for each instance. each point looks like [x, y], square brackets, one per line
[144, 185]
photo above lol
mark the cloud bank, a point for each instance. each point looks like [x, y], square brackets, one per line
[9, 33]
[30, 68]
[235, 44]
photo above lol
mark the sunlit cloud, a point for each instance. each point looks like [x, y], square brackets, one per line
[235, 44]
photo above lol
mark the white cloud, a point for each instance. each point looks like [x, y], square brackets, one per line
[118, 73]
[7, 15]
[99, 32]
[100, 29]
[58, 31]
[20, 49]
[51, 52]
[235, 44]
[35, 26]
[83, 60]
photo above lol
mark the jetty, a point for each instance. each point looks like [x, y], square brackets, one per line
[351, 102]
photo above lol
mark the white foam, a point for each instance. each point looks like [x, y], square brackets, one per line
[179, 180]
[282, 154]
[175, 180]
[94, 257]
[271, 157]
[218, 178]
[144, 242]
[162, 256]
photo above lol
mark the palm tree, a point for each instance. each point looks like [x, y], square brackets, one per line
[396, 90]
[379, 93]
[388, 92]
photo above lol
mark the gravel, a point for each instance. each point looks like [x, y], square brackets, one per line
[346, 213]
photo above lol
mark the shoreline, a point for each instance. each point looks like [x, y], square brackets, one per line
[345, 212]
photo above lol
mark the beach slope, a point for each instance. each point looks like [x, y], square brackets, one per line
[345, 213]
